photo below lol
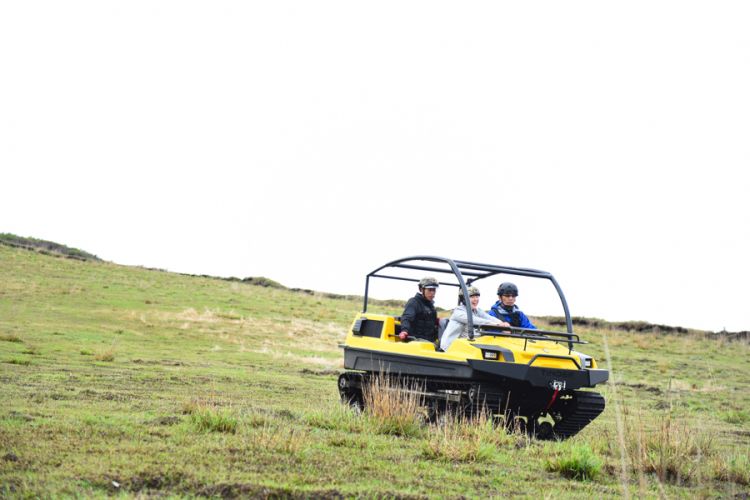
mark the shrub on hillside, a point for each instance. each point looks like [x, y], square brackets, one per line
[262, 281]
[46, 247]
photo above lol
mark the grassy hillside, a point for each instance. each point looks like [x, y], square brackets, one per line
[120, 380]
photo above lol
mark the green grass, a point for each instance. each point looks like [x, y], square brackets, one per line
[211, 420]
[737, 417]
[456, 440]
[19, 361]
[578, 462]
[125, 381]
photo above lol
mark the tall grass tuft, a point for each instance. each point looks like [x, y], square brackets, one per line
[673, 451]
[736, 416]
[214, 420]
[579, 462]
[276, 439]
[206, 416]
[108, 355]
[619, 422]
[735, 468]
[396, 407]
[455, 438]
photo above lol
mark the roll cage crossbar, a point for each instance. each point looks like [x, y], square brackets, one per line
[527, 334]
[465, 273]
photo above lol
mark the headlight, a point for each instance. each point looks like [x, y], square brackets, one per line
[586, 361]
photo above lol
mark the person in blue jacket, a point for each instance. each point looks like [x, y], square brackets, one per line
[506, 308]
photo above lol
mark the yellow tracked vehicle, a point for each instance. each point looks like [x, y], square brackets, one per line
[534, 378]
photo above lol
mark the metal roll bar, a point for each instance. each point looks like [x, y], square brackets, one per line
[475, 271]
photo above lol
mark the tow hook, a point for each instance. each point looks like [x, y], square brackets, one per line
[558, 385]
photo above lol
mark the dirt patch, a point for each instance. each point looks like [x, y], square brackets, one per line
[144, 362]
[644, 387]
[16, 415]
[320, 373]
[245, 490]
[285, 414]
[167, 420]
[106, 396]
[163, 362]
[663, 405]
[141, 483]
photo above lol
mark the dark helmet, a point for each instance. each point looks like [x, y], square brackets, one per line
[473, 291]
[428, 283]
[507, 288]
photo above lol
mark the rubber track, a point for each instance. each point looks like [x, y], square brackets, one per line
[576, 414]
[588, 406]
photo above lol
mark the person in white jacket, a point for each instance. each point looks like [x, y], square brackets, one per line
[458, 323]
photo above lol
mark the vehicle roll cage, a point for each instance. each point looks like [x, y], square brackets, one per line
[473, 271]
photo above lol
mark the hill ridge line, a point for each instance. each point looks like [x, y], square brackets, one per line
[58, 250]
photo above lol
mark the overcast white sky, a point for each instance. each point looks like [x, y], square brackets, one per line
[310, 142]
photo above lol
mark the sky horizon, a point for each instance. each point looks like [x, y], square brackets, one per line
[312, 142]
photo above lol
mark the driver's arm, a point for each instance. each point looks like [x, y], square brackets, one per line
[409, 314]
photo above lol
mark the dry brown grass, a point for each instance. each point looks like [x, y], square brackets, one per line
[278, 439]
[107, 355]
[10, 337]
[275, 352]
[671, 449]
[734, 468]
[189, 317]
[279, 339]
[395, 405]
[197, 403]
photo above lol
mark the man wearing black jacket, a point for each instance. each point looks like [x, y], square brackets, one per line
[419, 319]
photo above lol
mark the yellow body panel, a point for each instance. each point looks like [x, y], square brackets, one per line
[462, 349]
